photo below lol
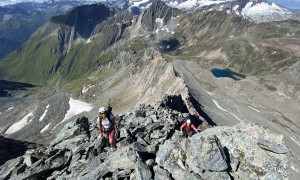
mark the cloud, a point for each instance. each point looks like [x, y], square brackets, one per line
[295, 1]
[293, 4]
[6, 2]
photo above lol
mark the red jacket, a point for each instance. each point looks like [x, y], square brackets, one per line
[187, 127]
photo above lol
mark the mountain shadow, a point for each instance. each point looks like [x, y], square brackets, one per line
[84, 18]
[5, 86]
[10, 148]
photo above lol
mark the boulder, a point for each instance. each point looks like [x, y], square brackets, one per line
[206, 154]
[11, 168]
[52, 160]
[71, 130]
[242, 145]
[142, 171]
[161, 174]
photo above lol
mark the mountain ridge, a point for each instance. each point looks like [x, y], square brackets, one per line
[126, 63]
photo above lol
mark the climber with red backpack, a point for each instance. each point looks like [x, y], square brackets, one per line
[186, 129]
[107, 124]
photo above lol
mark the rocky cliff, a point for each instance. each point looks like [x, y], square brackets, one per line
[150, 147]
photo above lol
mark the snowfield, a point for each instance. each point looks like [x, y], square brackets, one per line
[44, 115]
[19, 125]
[261, 9]
[76, 107]
[45, 128]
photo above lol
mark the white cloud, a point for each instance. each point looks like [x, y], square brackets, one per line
[7, 2]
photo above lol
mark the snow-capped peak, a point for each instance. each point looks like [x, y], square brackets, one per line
[262, 9]
[254, 10]
[264, 12]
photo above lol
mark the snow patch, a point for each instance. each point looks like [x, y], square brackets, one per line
[294, 168]
[9, 109]
[76, 107]
[253, 108]
[159, 21]
[210, 93]
[295, 141]
[218, 106]
[137, 3]
[281, 94]
[216, 103]
[187, 4]
[19, 125]
[45, 128]
[86, 89]
[89, 41]
[190, 4]
[235, 8]
[45, 112]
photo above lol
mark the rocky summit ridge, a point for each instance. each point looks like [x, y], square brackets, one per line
[150, 147]
[129, 60]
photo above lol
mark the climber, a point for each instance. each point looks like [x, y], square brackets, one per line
[107, 124]
[186, 129]
[109, 109]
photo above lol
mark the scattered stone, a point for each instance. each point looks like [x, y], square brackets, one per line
[151, 147]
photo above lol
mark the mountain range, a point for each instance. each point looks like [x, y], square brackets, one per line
[15, 29]
[19, 21]
[94, 54]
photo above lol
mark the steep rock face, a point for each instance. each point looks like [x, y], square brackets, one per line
[51, 45]
[150, 141]
[84, 18]
[14, 26]
[158, 10]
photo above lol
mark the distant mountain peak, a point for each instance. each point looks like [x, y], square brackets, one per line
[160, 10]
[254, 10]
[85, 18]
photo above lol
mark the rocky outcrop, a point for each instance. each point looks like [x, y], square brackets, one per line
[158, 10]
[84, 18]
[10, 148]
[150, 147]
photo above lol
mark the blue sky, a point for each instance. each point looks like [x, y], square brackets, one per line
[292, 4]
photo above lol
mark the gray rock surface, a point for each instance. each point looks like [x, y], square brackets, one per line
[155, 150]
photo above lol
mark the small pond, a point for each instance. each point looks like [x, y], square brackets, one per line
[166, 46]
[220, 73]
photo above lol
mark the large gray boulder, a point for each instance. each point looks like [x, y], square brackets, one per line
[205, 154]
[250, 151]
[71, 130]
[142, 171]
[161, 174]
[45, 162]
